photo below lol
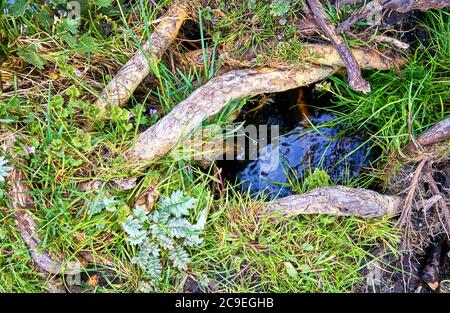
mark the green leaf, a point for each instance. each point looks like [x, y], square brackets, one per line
[4, 169]
[31, 56]
[103, 3]
[290, 269]
[19, 7]
[307, 247]
[179, 257]
[132, 226]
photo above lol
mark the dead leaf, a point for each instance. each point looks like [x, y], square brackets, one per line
[93, 280]
[434, 285]
[124, 183]
[148, 198]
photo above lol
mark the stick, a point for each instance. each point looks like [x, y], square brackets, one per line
[120, 89]
[439, 132]
[216, 94]
[337, 200]
[319, 54]
[356, 82]
[400, 6]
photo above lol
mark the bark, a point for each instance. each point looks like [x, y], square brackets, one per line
[337, 200]
[209, 99]
[439, 132]
[356, 82]
[120, 89]
[400, 6]
[319, 54]
[21, 202]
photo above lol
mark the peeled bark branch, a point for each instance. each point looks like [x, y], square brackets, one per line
[355, 80]
[319, 54]
[218, 92]
[337, 200]
[120, 89]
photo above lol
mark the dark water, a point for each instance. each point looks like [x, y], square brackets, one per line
[301, 149]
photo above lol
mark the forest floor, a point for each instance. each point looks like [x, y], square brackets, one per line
[89, 201]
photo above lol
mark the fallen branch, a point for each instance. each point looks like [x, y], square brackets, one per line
[356, 82]
[318, 54]
[209, 99]
[439, 132]
[337, 200]
[21, 202]
[400, 6]
[122, 86]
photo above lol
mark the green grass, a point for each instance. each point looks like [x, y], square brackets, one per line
[56, 117]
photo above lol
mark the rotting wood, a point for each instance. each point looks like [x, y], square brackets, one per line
[355, 80]
[336, 200]
[122, 86]
[209, 99]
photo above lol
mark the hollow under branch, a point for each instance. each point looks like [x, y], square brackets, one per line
[209, 99]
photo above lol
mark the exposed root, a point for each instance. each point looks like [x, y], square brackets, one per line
[122, 86]
[218, 92]
[356, 82]
[21, 203]
[401, 6]
[337, 200]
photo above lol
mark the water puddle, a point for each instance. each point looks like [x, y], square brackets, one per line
[301, 148]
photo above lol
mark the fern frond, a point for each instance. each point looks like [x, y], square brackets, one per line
[179, 257]
[177, 204]
[4, 169]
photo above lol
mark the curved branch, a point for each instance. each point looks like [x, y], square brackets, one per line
[120, 89]
[337, 200]
[209, 99]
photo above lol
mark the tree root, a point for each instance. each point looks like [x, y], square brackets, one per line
[356, 82]
[21, 202]
[318, 54]
[209, 99]
[120, 89]
[439, 132]
[400, 6]
[337, 200]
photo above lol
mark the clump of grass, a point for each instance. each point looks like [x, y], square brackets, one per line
[244, 253]
[403, 104]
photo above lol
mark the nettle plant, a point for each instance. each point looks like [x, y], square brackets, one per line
[164, 232]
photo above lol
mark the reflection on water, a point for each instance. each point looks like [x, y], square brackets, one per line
[304, 149]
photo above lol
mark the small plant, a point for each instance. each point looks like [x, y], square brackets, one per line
[166, 229]
[4, 169]
[280, 7]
